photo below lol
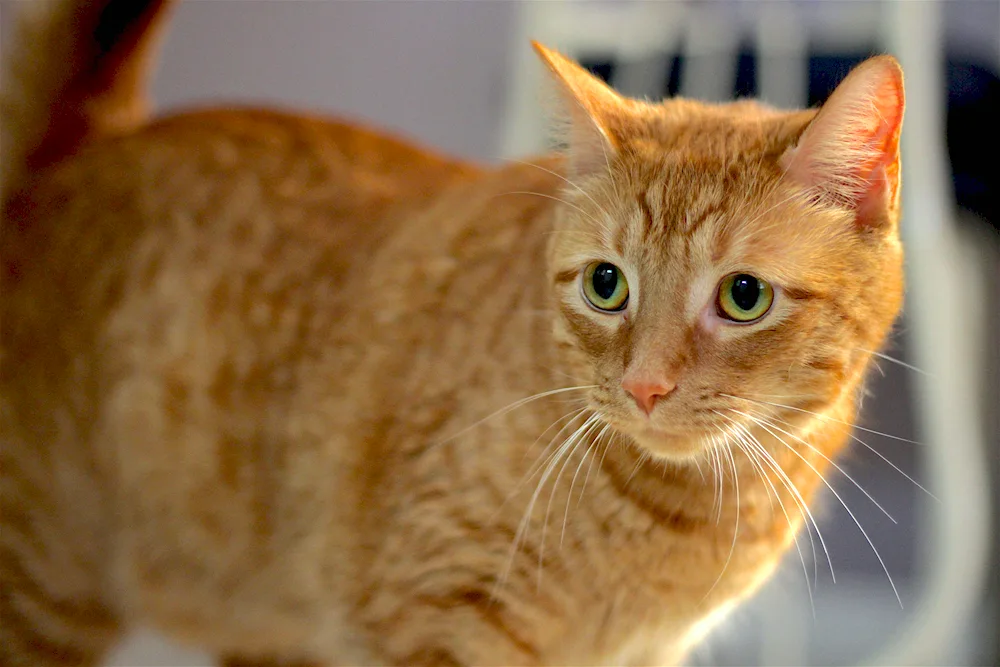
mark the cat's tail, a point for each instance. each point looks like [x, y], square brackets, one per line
[75, 70]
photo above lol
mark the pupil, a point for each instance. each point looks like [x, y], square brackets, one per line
[605, 280]
[745, 292]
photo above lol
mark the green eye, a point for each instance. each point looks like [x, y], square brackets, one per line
[744, 298]
[605, 287]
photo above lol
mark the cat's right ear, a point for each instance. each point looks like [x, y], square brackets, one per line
[849, 154]
[590, 108]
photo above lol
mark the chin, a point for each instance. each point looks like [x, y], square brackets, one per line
[668, 446]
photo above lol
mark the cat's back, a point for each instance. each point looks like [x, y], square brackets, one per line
[245, 194]
[215, 253]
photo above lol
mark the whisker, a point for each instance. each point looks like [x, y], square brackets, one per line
[701, 472]
[565, 180]
[748, 440]
[844, 504]
[607, 448]
[638, 464]
[526, 519]
[881, 456]
[894, 360]
[825, 458]
[825, 418]
[736, 527]
[573, 415]
[542, 459]
[718, 481]
[812, 543]
[738, 432]
[793, 490]
[590, 467]
[591, 448]
[580, 436]
[513, 406]
[561, 201]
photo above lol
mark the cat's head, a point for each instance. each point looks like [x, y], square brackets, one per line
[709, 254]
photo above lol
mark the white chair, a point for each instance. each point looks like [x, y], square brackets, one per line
[946, 327]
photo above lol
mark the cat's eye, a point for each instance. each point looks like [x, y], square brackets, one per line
[605, 287]
[744, 298]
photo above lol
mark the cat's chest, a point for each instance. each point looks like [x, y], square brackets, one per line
[658, 574]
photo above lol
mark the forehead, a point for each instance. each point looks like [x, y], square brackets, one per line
[690, 209]
[692, 184]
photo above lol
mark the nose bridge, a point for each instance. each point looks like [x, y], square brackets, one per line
[659, 343]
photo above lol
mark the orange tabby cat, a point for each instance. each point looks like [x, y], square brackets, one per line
[249, 361]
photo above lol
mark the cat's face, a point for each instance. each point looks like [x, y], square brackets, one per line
[691, 272]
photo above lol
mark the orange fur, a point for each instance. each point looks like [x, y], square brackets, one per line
[247, 357]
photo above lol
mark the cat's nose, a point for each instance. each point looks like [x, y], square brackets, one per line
[647, 391]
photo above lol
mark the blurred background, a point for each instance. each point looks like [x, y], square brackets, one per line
[460, 76]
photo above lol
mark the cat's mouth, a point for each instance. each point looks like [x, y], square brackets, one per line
[666, 444]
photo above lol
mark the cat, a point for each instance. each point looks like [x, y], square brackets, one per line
[288, 389]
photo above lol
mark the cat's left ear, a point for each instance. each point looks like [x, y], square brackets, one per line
[592, 110]
[850, 151]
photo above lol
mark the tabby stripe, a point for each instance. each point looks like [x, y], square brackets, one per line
[240, 661]
[800, 293]
[487, 610]
[567, 276]
[831, 365]
[436, 656]
[499, 329]
[22, 645]
[18, 531]
[32, 593]
[847, 318]
[695, 224]
[647, 212]
[675, 520]
[17, 480]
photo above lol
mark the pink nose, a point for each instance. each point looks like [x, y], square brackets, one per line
[646, 392]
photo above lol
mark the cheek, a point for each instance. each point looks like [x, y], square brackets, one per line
[730, 359]
[598, 338]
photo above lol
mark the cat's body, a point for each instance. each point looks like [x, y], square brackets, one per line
[247, 359]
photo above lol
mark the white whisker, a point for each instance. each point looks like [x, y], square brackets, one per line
[748, 442]
[894, 360]
[881, 456]
[736, 527]
[561, 201]
[844, 504]
[824, 417]
[526, 519]
[638, 464]
[825, 458]
[578, 438]
[542, 458]
[800, 502]
[597, 443]
[565, 180]
[514, 406]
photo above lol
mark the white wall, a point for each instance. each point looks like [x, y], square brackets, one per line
[432, 70]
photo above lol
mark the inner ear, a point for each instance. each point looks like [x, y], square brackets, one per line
[590, 108]
[850, 151]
